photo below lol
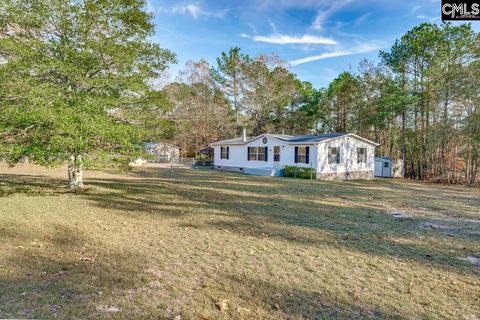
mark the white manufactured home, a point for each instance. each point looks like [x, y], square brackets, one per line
[332, 156]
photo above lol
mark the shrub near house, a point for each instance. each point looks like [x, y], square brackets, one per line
[299, 172]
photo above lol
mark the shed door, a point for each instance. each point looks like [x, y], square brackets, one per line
[386, 169]
[378, 168]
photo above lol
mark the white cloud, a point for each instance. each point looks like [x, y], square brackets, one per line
[339, 52]
[323, 14]
[421, 16]
[273, 26]
[244, 35]
[288, 4]
[254, 30]
[362, 19]
[320, 19]
[322, 56]
[193, 9]
[416, 8]
[286, 39]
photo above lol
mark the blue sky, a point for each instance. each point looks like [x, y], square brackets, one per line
[319, 38]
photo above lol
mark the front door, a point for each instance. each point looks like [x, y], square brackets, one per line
[276, 156]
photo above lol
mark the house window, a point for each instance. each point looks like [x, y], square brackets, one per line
[261, 154]
[302, 155]
[385, 164]
[253, 153]
[276, 153]
[361, 155]
[224, 152]
[333, 155]
[257, 153]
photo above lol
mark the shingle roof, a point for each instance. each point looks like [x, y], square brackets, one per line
[300, 139]
[149, 144]
[239, 140]
[283, 137]
[233, 140]
[315, 138]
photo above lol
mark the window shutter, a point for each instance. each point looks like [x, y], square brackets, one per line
[248, 154]
[296, 154]
[266, 154]
[228, 153]
[307, 157]
[338, 155]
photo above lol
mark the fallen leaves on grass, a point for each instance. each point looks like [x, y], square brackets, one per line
[221, 305]
[106, 308]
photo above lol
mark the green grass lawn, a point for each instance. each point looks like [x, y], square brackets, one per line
[203, 244]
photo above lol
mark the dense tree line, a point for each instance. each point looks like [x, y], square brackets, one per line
[420, 102]
[76, 86]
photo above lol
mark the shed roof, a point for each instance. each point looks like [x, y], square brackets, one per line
[150, 144]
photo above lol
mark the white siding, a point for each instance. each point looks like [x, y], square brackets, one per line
[348, 156]
[289, 156]
[238, 155]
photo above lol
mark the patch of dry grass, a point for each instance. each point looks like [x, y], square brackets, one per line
[213, 245]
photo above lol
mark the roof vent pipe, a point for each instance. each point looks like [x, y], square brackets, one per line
[244, 134]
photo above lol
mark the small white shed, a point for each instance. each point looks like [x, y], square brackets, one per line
[163, 152]
[384, 167]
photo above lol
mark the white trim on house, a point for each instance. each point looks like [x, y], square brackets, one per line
[347, 167]
[357, 137]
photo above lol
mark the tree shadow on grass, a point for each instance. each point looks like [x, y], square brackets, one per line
[36, 282]
[418, 196]
[40, 284]
[290, 302]
[268, 206]
[258, 211]
[284, 210]
[34, 185]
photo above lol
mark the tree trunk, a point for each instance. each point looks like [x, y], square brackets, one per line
[404, 144]
[235, 106]
[75, 172]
